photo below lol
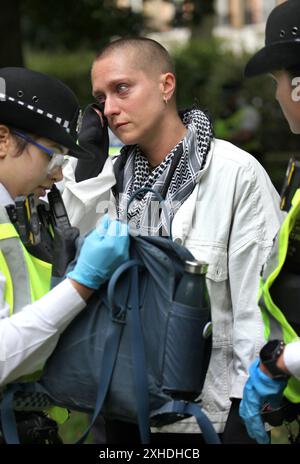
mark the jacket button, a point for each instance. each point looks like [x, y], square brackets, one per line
[178, 240]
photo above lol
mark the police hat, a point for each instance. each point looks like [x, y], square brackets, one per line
[40, 104]
[282, 41]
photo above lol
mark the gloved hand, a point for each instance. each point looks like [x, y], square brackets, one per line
[259, 389]
[103, 250]
[93, 136]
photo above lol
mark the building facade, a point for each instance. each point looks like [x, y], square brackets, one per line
[239, 24]
[239, 13]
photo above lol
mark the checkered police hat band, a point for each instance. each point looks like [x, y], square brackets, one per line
[3, 97]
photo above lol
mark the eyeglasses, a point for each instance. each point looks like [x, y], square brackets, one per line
[58, 158]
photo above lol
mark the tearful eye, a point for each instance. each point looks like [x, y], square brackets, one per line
[122, 88]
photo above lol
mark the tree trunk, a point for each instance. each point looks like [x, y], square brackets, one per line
[11, 40]
[203, 18]
[204, 30]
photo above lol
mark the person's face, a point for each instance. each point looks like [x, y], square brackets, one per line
[42, 179]
[286, 98]
[133, 99]
[30, 168]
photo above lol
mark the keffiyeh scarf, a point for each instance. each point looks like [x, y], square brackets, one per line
[144, 213]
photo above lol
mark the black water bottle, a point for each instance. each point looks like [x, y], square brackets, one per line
[285, 291]
[191, 326]
[192, 289]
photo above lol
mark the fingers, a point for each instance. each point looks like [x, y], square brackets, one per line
[103, 224]
[112, 228]
[117, 228]
[256, 430]
[250, 412]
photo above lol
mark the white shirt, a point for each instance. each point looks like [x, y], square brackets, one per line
[29, 337]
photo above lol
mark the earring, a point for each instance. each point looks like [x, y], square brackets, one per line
[165, 100]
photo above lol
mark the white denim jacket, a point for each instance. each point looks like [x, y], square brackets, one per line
[229, 221]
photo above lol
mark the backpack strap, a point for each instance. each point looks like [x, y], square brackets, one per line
[139, 360]
[111, 346]
[111, 349]
[185, 408]
[8, 418]
[110, 353]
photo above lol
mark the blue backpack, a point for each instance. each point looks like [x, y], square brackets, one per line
[132, 348]
[128, 352]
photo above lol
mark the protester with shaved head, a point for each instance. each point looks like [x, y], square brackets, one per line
[219, 203]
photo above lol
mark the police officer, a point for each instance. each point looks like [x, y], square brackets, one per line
[277, 372]
[38, 129]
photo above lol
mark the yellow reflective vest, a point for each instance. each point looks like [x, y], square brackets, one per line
[276, 324]
[27, 279]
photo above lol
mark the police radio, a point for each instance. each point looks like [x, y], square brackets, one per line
[53, 214]
[29, 216]
[24, 216]
[45, 229]
[291, 184]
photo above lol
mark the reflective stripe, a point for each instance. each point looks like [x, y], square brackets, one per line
[9, 291]
[276, 325]
[17, 277]
[271, 324]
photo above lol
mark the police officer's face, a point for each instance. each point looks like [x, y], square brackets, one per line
[132, 97]
[288, 96]
[30, 167]
[42, 179]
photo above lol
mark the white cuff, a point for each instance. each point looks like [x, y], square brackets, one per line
[291, 357]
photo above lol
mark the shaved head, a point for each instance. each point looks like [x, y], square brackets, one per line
[145, 54]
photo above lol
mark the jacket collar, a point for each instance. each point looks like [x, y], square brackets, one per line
[208, 160]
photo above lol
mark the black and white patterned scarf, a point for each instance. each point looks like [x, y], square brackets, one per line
[144, 213]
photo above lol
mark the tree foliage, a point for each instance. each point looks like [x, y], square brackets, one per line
[201, 9]
[77, 24]
[10, 43]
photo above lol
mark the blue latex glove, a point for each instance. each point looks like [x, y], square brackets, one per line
[103, 250]
[259, 389]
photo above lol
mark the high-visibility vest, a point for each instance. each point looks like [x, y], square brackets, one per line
[276, 324]
[27, 279]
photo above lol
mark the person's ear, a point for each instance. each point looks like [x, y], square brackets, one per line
[5, 140]
[167, 85]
